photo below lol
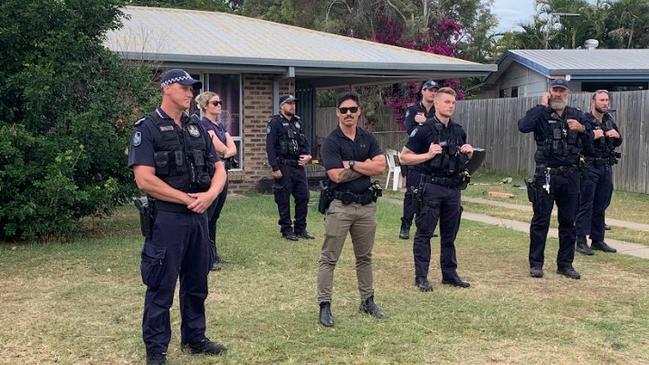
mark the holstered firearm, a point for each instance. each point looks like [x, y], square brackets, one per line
[146, 207]
[377, 190]
[325, 198]
[531, 189]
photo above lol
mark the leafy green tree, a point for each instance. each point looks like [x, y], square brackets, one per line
[65, 113]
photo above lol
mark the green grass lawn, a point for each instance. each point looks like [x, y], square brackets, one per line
[81, 302]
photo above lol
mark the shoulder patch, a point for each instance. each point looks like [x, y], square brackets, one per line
[407, 113]
[137, 139]
[268, 129]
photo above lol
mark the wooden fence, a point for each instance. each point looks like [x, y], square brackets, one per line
[492, 125]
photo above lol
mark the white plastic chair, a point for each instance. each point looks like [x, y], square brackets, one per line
[391, 156]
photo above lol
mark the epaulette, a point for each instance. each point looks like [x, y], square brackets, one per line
[139, 121]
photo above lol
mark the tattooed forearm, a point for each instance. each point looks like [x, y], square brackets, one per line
[348, 175]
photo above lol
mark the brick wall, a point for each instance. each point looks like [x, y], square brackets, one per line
[257, 109]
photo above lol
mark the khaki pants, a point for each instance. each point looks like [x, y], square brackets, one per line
[360, 222]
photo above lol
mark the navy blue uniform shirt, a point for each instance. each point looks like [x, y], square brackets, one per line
[337, 147]
[536, 120]
[142, 146]
[421, 138]
[412, 112]
[276, 129]
[217, 128]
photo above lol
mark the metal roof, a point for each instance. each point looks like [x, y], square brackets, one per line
[192, 37]
[594, 64]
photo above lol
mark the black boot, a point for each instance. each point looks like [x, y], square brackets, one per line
[569, 272]
[423, 284]
[404, 234]
[156, 359]
[368, 306]
[602, 246]
[204, 347]
[326, 318]
[582, 247]
[455, 280]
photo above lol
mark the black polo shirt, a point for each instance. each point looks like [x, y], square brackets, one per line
[337, 147]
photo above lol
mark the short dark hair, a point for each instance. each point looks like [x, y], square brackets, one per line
[348, 96]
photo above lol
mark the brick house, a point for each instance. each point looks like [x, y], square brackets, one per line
[251, 62]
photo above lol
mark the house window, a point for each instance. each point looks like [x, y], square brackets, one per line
[228, 87]
[514, 92]
[501, 93]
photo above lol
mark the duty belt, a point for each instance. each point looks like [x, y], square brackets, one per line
[287, 162]
[348, 197]
[440, 180]
[559, 170]
[598, 161]
[171, 207]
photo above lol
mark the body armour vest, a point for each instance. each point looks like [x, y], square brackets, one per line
[604, 148]
[181, 155]
[560, 144]
[450, 163]
[291, 139]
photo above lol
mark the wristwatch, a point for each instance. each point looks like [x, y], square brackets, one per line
[351, 164]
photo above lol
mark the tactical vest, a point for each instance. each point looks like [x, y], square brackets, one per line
[181, 154]
[561, 144]
[450, 163]
[291, 138]
[604, 148]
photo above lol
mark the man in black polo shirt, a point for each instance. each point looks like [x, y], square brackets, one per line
[351, 155]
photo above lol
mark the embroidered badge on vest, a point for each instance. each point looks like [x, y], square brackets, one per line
[193, 131]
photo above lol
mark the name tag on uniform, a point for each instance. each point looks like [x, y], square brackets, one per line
[166, 128]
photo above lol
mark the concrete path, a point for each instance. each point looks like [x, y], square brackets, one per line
[622, 247]
[528, 208]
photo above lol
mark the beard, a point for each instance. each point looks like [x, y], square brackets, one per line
[557, 103]
[603, 110]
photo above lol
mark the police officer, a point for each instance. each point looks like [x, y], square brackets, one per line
[175, 164]
[415, 115]
[350, 155]
[438, 150]
[597, 177]
[560, 132]
[288, 152]
[211, 106]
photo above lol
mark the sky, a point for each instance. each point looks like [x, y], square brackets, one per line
[512, 12]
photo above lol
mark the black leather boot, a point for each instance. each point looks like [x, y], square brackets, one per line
[326, 318]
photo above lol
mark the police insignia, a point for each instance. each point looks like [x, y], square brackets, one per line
[407, 113]
[193, 131]
[268, 129]
[137, 139]
[297, 125]
[414, 131]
